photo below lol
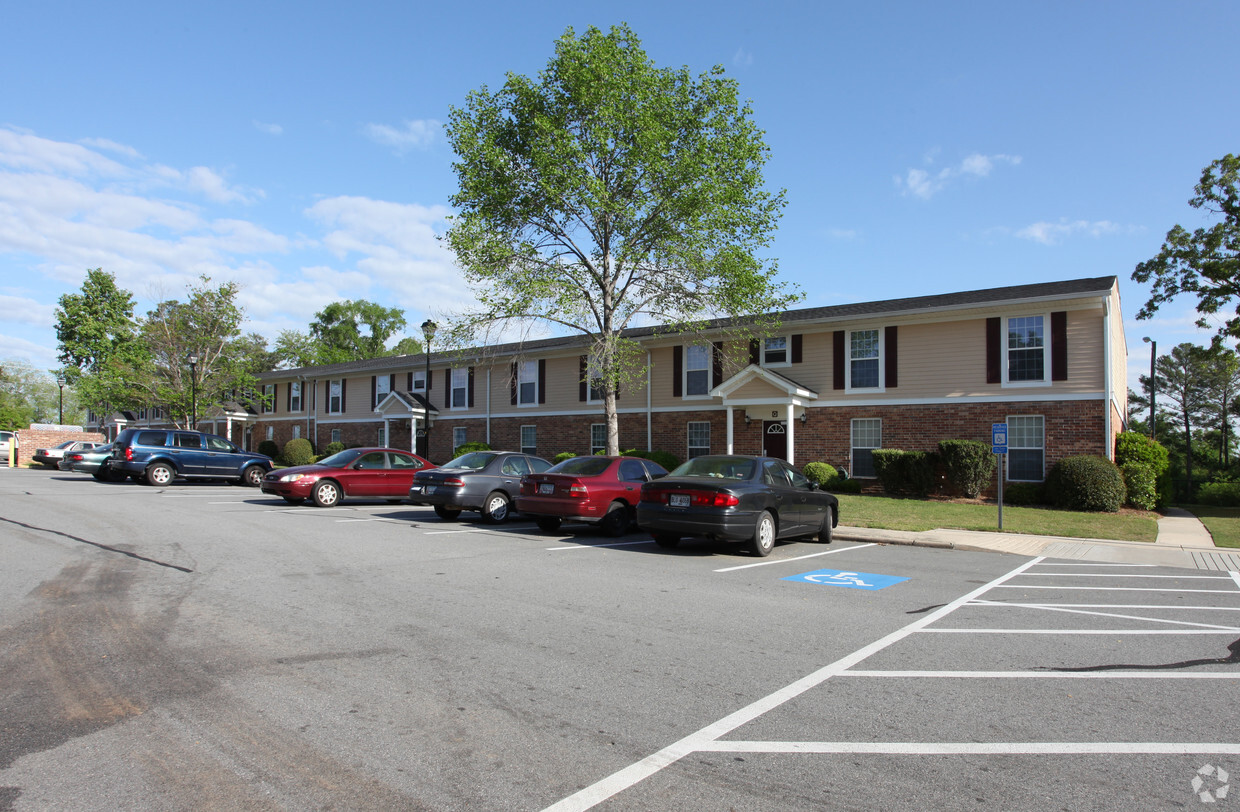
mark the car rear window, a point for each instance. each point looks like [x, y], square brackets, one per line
[152, 438]
[582, 466]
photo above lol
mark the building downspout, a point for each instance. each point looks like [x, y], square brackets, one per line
[488, 405]
[1107, 376]
[649, 428]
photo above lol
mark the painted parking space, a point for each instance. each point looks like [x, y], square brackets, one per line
[847, 579]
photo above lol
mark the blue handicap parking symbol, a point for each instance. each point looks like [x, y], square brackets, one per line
[844, 578]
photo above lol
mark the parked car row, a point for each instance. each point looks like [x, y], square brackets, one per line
[733, 498]
[51, 457]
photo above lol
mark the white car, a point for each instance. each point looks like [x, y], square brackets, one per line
[51, 457]
[7, 437]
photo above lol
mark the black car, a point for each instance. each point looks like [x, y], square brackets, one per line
[158, 456]
[736, 498]
[485, 481]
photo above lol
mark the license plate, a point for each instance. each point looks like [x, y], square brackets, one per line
[678, 500]
[546, 487]
[428, 489]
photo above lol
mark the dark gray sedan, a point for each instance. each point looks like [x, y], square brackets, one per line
[736, 498]
[485, 481]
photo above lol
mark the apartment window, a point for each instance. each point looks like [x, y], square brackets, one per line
[294, 396]
[863, 350]
[381, 439]
[271, 432]
[699, 439]
[1026, 458]
[594, 380]
[775, 351]
[1026, 349]
[529, 439]
[337, 436]
[269, 398]
[527, 383]
[383, 385]
[460, 388]
[598, 438]
[460, 436]
[867, 435]
[296, 432]
[419, 380]
[697, 369]
[335, 397]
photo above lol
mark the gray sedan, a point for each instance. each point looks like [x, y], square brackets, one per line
[485, 481]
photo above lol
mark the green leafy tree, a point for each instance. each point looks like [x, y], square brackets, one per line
[352, 330]
[98, 338]
[1222, 388]
[1182, 379]
[1205, 262]
[609, 192]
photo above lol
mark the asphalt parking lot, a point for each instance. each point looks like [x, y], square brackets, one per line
[204, 646]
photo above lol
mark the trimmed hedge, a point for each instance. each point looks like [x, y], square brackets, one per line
[465, 448]
[905, 472]
[563, 455]
[1141, 483]
[1133, 447]
[270, 448]
[333, 448]
[298, 452]
[1086, 483]
[969, 464]
[1024, 493]
[665, 458]
[819, 472]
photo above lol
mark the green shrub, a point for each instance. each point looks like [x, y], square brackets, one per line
[1086, 483]
[466, 448]
[333, 448]
[1133, 447]
[298, 452]
[842, 485]
[564, 455]
[1141, 483]
[1024, 493]
[1219, 494]
[820, 473]
[665, 458]
[970, 465]
[905, 472]
[269, 448]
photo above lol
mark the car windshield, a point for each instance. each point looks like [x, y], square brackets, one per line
[581, 466]
[341, 459]
[718, 467]
[66, 443]
[473, 461]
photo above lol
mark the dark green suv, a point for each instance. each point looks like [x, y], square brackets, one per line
[158, 456]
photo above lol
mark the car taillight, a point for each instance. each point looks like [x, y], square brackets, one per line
[696, 498]
[579, 490]
[128, 454]
[454, 482]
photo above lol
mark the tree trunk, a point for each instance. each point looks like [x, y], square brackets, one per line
[613, 420]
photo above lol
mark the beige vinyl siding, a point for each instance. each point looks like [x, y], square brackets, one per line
[943, 359]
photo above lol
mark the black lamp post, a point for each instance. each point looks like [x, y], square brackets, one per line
[60, 381]
[428, 331]
[193, 392]
[1153, 381]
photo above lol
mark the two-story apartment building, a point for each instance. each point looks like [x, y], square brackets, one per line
[831, 384]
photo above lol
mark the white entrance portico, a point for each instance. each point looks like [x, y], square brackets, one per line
[412, 407]
[774, 399]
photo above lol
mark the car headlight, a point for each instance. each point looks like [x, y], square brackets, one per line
[291, 477]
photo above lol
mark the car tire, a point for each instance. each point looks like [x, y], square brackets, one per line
[668, 540]
[828, 524]
[160, 474]
[447, 514]
[763, 540]
[252, 477]
[294, 500]
[617, 521]
[326, 493]
[549, 524]
[496, 508]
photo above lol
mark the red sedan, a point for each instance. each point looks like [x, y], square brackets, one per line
[602, 491]
[375, 473]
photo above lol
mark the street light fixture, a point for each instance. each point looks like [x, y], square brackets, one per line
[428, 331]
[60, 381]
[1153, 381]
[193, 392]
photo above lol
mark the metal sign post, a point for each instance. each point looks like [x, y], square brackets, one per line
[999, 445]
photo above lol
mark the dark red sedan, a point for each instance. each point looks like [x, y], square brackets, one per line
[603, 491]
[374, 473]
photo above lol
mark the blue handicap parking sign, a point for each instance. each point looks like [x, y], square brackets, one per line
[844, 578]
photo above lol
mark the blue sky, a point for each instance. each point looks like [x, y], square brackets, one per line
[298, 147]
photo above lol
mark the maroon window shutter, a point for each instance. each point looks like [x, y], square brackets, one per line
[890, 364]
[343, 386]
[288, 397]
[994, 353]
[392, 383]
[716, 369]
[469, 388]
[447, 387]
[542, 380]
[409, 382]
[513, 393]
[583, 386]
[374, 390]
[1059, 345]
[755, 352]
[275, 398]
[796, 348]
[429, 379]
[678, 363]
[837, 360]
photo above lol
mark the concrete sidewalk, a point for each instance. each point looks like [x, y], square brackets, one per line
[1183, 541]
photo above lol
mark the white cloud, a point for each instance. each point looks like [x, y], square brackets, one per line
[270, 129]
[418, 134]
[924, 184]
[742, 58]
[27, 311]
[842, 233]
[1053, 233]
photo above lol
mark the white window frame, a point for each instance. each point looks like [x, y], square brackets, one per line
[529, 440]
[848, 361]
[338, 407]
[767, 349]
[698, 430]
[462, 386]
[593, 394]
[1007, 349]
[381, 436]
[854, 444]
[337, 436]
[707, 363]
[269, 398]
[598, 431]
[1012, 419]
[294, 398]
[460, 436]
[527, 376]
[419, 380]
[383, 388]
[271, 433]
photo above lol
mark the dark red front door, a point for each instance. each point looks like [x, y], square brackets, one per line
[775, 439]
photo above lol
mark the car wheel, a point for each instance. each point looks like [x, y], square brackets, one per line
[668, 540]
[496, 507]
[159, 474]
[763, 540]
[294, 500]
[549, 524]
[102, 476]
[447, 514]
[252, 477]
[617, 521]
[828, 520]
[326, 493]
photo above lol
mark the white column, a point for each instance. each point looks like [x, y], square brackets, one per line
[791, 444]
[729, 429]
[387, 432]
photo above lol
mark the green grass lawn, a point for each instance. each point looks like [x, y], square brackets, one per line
[927, 514]
[1222, 522]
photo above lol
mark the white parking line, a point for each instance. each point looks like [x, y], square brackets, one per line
[1053, 608]
[1120, 589]
[575, 546]
[797, 558]
[1228, 675]
[1218, 630]
[978, 748]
